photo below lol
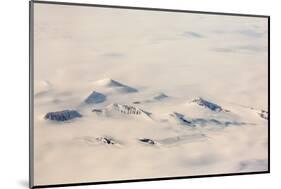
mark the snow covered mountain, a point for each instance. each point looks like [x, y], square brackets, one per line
[118, 110]
[113, 84]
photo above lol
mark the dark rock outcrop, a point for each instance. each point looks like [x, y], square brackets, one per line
[161, 96]
[106, 140]
[181, 119]
[95, 97]
[136, 102]
[64, 115]
[97, 110]
[147, 141]
[205, 122]
[263, 114]
[207, 104]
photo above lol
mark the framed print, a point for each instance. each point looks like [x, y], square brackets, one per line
[126, 94]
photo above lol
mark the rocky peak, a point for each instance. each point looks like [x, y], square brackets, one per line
[64, 115]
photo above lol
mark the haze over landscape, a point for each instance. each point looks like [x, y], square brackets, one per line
[130, 94]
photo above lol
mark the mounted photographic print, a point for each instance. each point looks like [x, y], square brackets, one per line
[122, 94]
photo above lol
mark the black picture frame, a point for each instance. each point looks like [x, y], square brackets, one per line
[31, 91]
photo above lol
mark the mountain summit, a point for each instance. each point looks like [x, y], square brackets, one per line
[110, 83]
[95, 97]
[207, 104]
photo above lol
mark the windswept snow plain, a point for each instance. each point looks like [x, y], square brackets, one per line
[132, 94]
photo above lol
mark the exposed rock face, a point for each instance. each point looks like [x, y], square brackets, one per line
[126, 109]
[97, 110]
[205, 122]
[64, 115]
[181, 119]
[207, 104]
[106, 140]
[147, 141]
[136, 102]
[263, 114]
[161, 96]
[95, 97]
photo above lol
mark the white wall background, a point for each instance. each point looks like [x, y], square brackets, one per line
[14, 92]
